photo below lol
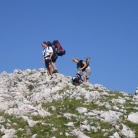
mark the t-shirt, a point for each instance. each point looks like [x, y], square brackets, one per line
[80, 65]
[47, 51]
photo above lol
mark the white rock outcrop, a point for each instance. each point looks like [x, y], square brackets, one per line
[133, 117]
[33, 97]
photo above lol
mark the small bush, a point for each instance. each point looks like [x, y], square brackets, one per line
[30, 87]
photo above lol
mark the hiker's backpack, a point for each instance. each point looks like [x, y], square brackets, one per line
[55, 55]
[77, 79]
[60, 51]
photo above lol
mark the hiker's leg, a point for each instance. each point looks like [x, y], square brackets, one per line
[84, 76]
[46, 65]
[88, 72]
[50, 69]
[48, 72]
[54, 66]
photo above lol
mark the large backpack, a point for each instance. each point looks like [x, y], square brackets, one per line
[77, 79]
[60, 51]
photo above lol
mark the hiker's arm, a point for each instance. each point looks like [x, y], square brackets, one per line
[84, 63]
[43, 59]
[51, 55]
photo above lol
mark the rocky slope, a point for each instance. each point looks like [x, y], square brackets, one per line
[33, 106]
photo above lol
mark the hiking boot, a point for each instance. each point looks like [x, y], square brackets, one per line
[55, 71]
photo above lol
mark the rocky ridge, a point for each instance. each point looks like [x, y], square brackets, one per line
[33, 106]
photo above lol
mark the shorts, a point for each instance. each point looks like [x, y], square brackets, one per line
[88, 72]
[48, 62]
[83, 73]
[54, 60]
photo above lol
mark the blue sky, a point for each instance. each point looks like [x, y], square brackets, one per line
[104, 30]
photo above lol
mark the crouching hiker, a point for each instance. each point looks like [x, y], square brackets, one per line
[81, 67]
[47, 57]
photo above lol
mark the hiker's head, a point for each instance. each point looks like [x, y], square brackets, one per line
[44, 44]
[75, 60]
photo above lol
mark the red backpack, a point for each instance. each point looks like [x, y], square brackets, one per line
[59, 50]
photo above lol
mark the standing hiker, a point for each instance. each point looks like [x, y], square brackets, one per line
[88, 69]
[47, 57]
[81, 67]
[54, 57]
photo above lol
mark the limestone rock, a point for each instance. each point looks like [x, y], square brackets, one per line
[82, 110]
[9, 133]
[133, 117]
[31, 93]
[126, 132]
[78, 134]
[111, 116]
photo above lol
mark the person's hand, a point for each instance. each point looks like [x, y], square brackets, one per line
[80, 69]
[49, 58]
[42, 61]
